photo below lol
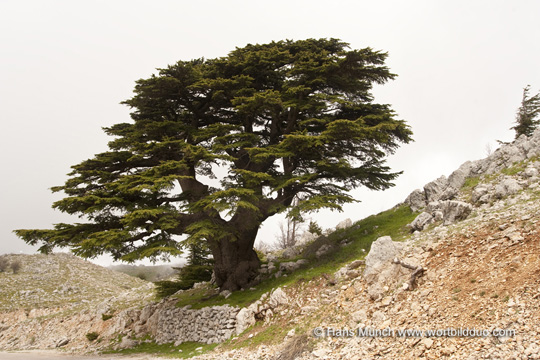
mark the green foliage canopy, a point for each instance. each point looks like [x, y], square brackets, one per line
[284, 119]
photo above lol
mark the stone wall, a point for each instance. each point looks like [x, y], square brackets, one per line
[209, 325]
[167, 323]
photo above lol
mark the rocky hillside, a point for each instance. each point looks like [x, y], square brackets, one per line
[474, 249]
[57, 280]
[464, 261]
[53, 297]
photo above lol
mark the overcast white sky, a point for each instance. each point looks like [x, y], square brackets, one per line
[66, 65]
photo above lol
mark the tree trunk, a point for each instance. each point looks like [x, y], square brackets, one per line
[236, 264]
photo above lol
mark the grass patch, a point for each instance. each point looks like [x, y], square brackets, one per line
[183, 351]
[513, 170]
[470, 183]
[358, 238]
[268, 335]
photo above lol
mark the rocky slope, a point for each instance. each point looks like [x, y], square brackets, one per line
[57, 299]
[471, 263]
[480, 275]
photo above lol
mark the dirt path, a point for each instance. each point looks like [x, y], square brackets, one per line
[53, 355]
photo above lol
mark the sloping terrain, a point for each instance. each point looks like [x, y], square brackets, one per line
[58, 280]
[58, 298]
[473, 239]
[482, 276]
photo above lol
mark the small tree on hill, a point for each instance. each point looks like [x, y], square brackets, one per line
[16, 266]
[289, 230]
[527, 116]
[198, 269]
[314, 228]
[4, 263]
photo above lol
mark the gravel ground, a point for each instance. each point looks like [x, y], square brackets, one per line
[53, 355]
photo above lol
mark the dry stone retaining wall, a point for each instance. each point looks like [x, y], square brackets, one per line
[207, 325]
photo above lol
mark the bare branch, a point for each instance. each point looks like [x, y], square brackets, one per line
[417, 272]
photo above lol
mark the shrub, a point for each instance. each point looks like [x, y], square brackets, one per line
[106, 317]
[166, 288]
[141, 275]
[91, 336]
[314, 228]
[188, 275]
[16, 266]
[4, 263]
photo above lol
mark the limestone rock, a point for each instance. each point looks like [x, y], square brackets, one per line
[449, 193]
[507, 187]
[379, 267]
[244, 319]
[344, 224]
[458, 177]
[225, 293]
[454, 210]
[291, 252]
[62, 342]
[480, 194]
[421, 221]
[278, 297]
[127, 343]
[427, 342]
[434, 189]
[382, 252]
[530, 171]
[323, 250]
[306, 238]
[350, 271]
[416, 200]
[291, 266]
[359, 316]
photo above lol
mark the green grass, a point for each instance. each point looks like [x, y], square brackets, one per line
[267, 335]
[518, 167]
[183, 351]
[514, 170]
[470, 183]
[359, 237]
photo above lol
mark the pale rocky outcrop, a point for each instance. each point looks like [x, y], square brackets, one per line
[291, 266]
[416, 200]
[481, 194]
[421, 221]
[448, 211]
[350, 271]
[508, 154]
[344, 224]
[261, 308]
[453, 210]
[508, 186]
[380, 271]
